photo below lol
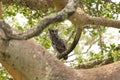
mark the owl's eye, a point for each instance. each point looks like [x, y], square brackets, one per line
[53, 31]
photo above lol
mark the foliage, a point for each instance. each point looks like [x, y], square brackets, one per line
[4, 75]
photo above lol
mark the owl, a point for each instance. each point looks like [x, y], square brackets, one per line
[57, 43]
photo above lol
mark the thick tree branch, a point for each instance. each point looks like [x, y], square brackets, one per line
[103, 22]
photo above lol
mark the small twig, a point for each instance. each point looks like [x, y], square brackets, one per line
[100, 39]
[71, 55]
[90, 46]
[70, 61]
[99, 29]
[70, 36]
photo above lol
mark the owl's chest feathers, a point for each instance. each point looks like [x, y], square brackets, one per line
[56, 39]
[58, 43]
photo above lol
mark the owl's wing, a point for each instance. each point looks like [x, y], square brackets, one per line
[60, 46]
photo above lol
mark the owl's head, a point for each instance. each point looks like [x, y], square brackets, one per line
[53, 31]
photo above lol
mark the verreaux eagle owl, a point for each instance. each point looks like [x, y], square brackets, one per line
[57, 43]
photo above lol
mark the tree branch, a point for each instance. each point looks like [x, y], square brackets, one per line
[94, 63]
